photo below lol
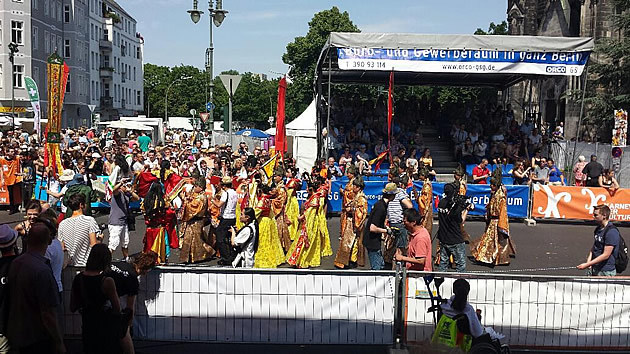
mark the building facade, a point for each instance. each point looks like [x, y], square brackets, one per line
[99, 43]
[557, 18]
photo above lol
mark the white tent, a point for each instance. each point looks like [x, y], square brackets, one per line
[304, 133]
[129, 125]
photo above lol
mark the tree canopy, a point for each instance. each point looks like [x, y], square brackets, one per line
[254, 100]
[303, 52]
[611, 73]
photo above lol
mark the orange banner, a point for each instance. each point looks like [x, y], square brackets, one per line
[559, 202]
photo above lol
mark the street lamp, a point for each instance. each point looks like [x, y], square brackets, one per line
[166, 96]
[13, 48]
[217, 15]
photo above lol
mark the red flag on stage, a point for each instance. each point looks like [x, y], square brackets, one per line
[281, 133]
[390, 112]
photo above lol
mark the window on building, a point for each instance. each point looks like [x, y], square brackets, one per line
[53, 42]
[92, 31]
[134, 73]
[0, 32]
[35, 34]
[35, 4]
[68, 84]
[47, 42]
[59, 43]
[138, 98]
[66, 14]
[47, 7]
[18, 76]
[66, 49]
[138, 53]
[59, 11]
[36, 75]
[18, 1]
[1, 75]
[17, 32]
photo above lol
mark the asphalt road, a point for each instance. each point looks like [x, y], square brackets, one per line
[546, 245]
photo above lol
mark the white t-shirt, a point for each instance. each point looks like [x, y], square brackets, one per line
[229, 208]
[75, 234]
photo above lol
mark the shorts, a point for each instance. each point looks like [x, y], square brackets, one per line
[116, 233]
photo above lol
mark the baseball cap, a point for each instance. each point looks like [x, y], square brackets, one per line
[390, 188]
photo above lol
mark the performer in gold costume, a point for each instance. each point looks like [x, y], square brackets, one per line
[351, 251]
[347, 195]
[193, 248]
[495, 245]
[293, 207]
[425, 199]
[278, 204]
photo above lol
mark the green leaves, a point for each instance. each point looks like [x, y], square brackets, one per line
[253, 100]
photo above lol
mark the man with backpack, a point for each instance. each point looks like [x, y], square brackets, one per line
[608, 256]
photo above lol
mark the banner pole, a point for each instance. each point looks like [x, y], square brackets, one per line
[577, 132]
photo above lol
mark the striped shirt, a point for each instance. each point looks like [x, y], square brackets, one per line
[75, 234]
[395, 207]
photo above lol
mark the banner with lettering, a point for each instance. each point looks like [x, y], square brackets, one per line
[560, 202]
[479, 195]
[463, 61]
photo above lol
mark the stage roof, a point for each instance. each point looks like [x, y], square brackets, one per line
[449, 60]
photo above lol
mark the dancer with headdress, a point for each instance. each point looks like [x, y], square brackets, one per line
[279, 203]
[293, 207]
[495, 246]
[193, 248]
[306, 250]
[323, 190]
[269, 254]
[347, 197]
[351, 251]
[159, 212]
[425, 199]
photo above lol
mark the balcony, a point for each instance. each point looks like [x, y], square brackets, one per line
[105, 45]
[107, 102]
[106, 72]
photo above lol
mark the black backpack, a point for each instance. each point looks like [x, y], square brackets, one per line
[621, 261]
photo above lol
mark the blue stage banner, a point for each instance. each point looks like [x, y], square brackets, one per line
[518, 197]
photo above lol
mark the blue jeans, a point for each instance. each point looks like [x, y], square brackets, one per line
[601, 273]
[376, 259]
[459, 256]
[400, 235]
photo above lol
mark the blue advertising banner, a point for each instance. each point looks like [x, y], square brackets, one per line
[463, 61]
[518, 197]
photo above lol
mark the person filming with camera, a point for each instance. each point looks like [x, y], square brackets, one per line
[452, 211]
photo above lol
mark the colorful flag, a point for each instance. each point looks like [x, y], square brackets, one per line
[378, 160]
[269, 166]
[33, 94]
[57, 79]
[281, 133]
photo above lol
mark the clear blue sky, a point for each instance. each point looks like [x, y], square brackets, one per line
[255, 33]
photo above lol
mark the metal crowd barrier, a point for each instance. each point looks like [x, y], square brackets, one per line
[281, 306]
[532, 311]
[288, 306]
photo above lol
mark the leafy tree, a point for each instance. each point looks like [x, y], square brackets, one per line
[254, 100]
[494, 29]
[610, 85]
[303, 52]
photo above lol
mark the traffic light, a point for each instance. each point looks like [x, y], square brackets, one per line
[225, 117]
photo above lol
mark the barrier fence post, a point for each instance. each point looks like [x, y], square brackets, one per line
[397, 301]
[530, 204]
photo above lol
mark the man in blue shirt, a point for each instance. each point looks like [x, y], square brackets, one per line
[601, 258]
[555, 174]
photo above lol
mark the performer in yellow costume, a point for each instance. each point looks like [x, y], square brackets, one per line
[293, 207]
[323, 223]
[306, 250]
[269, 253]
[495, 245]
[351, 251]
